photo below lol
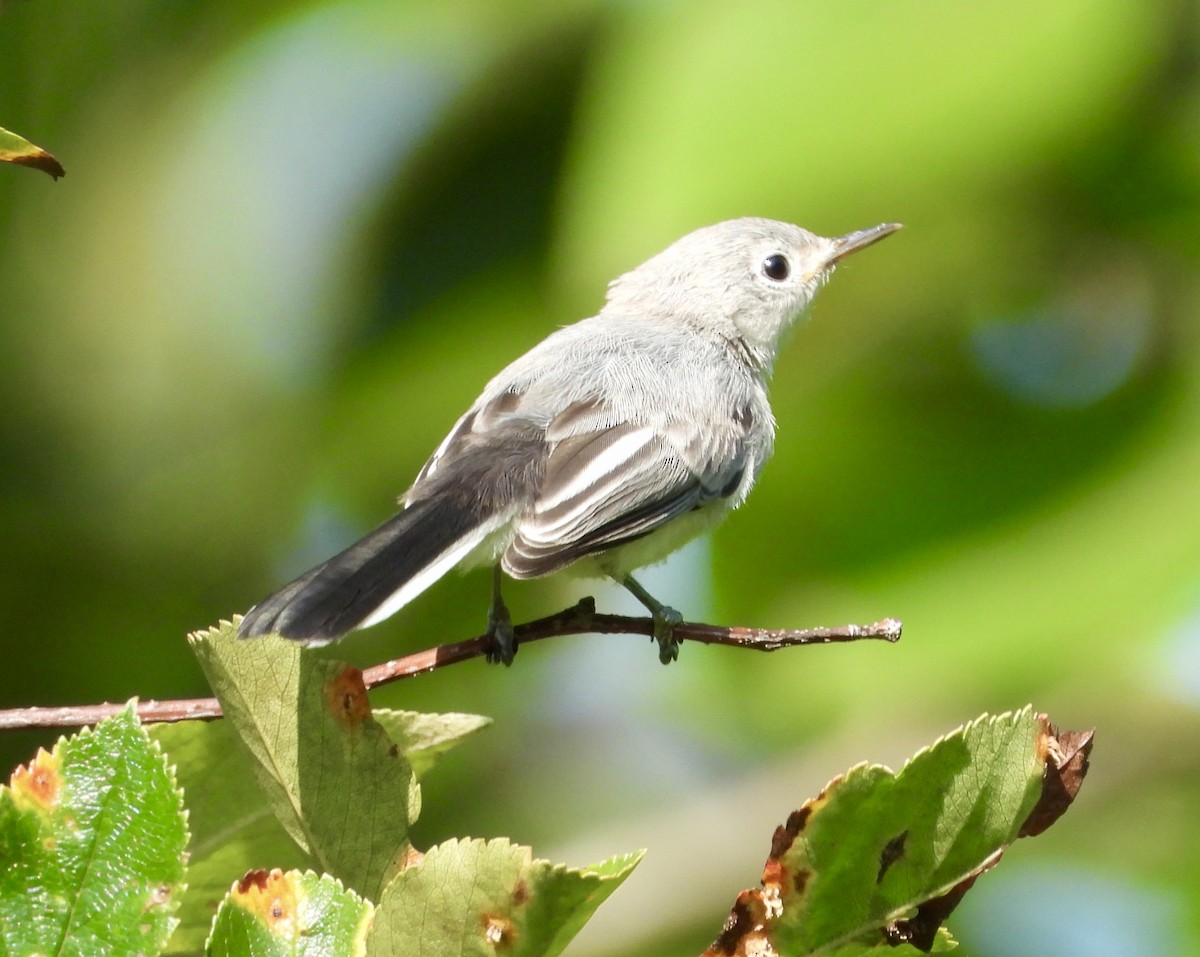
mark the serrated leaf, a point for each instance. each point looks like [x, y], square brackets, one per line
[92, 837]
[233, 827]
[277, 914]
[881, 858]
[484, 898]
[16, 149]
[424, 738]
[334, 779]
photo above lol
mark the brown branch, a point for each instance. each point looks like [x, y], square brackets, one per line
[580, 619]
[77, 715]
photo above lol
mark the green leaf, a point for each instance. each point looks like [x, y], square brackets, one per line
[233, 828]
[17, 149]
[476, 897]
[290, 915]
[92, 837]
[879, 857]
[948, 810]
[334, 779]
[424, 738]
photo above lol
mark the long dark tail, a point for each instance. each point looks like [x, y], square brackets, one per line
[374, 577]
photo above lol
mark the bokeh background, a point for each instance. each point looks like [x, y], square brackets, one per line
[296, 238]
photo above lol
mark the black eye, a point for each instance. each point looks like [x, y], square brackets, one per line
[776, 267]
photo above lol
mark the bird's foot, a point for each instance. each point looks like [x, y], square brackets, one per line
[664, 617]
[665, 620]
[502, 643]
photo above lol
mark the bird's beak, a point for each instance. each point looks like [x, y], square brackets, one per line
[843, 246]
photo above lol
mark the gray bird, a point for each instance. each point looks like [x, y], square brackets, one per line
[604, 448]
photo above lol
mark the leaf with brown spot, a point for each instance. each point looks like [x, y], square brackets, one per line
[879, 860]
[269, 896]
[1066, 764]
[489, 897]
[37, 784]
[16, 149]
[92, 840]
[892, 851]
[331, 774]
[498, 931]
[289, 912]
[921, 929]
[346, 697]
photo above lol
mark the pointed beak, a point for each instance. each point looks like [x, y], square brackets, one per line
[843, 246]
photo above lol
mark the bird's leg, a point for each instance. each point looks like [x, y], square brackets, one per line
[665, 620]
[502, 645]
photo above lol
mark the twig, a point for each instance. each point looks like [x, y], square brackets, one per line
[77, 715]
[580, 619]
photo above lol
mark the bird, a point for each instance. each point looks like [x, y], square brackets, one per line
[604, 448]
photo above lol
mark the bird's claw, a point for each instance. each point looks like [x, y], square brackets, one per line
[665, 620]
[502, 643]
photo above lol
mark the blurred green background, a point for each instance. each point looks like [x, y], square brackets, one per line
[296, 238]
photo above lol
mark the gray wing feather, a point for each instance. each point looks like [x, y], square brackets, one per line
[612, 483]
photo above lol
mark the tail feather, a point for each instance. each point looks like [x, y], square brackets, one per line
[374, 577]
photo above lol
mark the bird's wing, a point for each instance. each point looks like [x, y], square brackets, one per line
[608, 482]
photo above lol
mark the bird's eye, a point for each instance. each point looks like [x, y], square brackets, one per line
[776, 267]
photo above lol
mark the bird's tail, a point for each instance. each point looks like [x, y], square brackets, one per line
[373, 578]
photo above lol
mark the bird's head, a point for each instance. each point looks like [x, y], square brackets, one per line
[749, 278]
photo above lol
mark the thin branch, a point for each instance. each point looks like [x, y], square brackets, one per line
[580, 619]
[77, 715]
